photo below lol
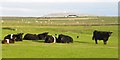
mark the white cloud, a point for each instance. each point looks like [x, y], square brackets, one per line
[54, 1]
[3, 9]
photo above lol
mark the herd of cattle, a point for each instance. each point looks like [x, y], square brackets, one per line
[12, 38]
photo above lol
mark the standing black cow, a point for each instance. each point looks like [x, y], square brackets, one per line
[31, 37]
[42, 36]
[64, 39]
[101, 35]
[50, 39]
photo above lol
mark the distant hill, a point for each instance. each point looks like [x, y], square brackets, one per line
[62, 14]
[65, 14]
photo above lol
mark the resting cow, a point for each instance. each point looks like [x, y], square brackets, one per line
[11, 38]
[35, 36]
[50, 39]
[42, 35]
[18, 36]
[64, 39]
[101, 35]
[7, 41]
[31, 37]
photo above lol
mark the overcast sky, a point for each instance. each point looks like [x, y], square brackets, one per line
[44, 7]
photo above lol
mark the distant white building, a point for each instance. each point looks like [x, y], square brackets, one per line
[62, 15]
[72, 16]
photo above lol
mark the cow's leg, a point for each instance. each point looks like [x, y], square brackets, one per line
[67, 42]
[12, 41]
[96, 41]
[105, 42]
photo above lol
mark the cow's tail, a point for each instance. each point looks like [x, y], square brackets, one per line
[93, 38]
[94, 34]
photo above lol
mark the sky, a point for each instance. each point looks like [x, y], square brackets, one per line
[44, 7]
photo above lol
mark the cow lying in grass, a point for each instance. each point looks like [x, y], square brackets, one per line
[42, 36]
[50, 39]
[11, 38]
[31, 37]
[18, 36]
[64, 39]
[101, 35]
[35, 36]
[61, 39]
[8, 41]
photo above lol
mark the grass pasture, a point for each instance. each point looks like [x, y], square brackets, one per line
[83, 47]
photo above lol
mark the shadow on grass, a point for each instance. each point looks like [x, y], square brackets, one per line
[42, 41]
[81, 42]
[39, 41]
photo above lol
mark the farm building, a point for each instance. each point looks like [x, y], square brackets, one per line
[72, 16]
[62, 15]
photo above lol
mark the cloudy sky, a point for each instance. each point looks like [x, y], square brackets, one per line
[44, 7]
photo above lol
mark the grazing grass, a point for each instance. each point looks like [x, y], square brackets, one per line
[75, 50]
[82, 47]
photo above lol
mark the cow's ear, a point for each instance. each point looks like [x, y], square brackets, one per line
[110, 33]
[22, 33]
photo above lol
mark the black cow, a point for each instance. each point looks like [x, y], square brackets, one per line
[64, 39]
[42, 35]
[101, 35]
[11, 38]
[31, 37]
[18, 36]
[50, 39]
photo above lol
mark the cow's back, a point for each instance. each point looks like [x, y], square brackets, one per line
[100, 35]
[31, 37]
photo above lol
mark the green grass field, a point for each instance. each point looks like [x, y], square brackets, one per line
[83, 47]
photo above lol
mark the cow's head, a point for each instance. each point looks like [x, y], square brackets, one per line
[61, 35]
[18, 36]
[109, 33]
[43, 35]
[20, 33]
[49, 39]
